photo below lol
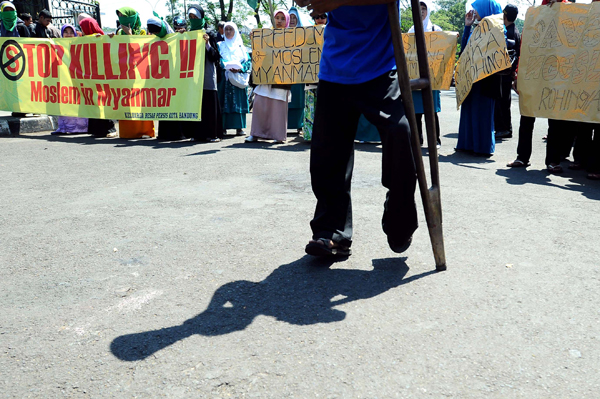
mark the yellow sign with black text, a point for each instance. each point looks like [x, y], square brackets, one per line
[441, 53]
[286, 56]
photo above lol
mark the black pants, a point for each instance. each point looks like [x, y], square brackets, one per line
[420, 127]
[502, 118]
[332, 157]
[560, 140]
[582, 149]
[594, 159]
[525, 138]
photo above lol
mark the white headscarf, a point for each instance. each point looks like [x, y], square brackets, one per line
[196, 12]
[82, 16]
[233, 49]
[427, 25]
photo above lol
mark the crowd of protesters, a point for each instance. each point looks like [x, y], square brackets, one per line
[485, 115]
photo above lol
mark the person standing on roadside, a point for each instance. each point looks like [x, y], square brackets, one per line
[502, 116]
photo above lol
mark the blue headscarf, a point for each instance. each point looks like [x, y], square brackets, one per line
[294, 11]
[485, 8]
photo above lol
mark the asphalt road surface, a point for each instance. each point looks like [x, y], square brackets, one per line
[148, 269]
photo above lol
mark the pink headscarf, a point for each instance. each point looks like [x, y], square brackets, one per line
[286, 15]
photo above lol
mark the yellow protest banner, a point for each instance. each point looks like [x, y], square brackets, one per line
[484, 55]
[124, 77]
[441, 53]
[559, 68]
[286, 56]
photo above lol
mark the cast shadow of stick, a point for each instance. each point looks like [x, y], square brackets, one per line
[297, 293]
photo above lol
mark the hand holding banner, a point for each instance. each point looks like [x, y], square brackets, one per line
[484, 55]
[441, 53]
[559, 68]
[124, 77]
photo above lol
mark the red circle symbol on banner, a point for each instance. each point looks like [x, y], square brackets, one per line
[13, 60]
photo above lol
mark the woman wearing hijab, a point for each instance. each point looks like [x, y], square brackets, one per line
[81, 17]
[234, 59]
[70, 124]
[269, 116]
[167, 130]
[296, 106]
[476, 128]
[428, 26]
[131, 25]
[130, 22]
[210, 128]
[89, 26]
[158, 27]
[96, 127]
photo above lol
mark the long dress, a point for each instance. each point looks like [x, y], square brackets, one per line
[211, 125]
[233, 100]
[131, 129]
[296, 107]
[269, 115]
[476, 129]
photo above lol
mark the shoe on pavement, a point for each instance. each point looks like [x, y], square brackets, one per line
[503, 135]
[399, 247]
[250, 139]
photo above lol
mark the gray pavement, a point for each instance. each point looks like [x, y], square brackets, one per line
[147, 269]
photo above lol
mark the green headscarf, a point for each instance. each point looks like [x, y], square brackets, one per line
[201, 21]
[9, 20]
[130, 18]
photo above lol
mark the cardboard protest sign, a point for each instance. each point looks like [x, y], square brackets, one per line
[441, 53]
[126, 77]
[484, 55]
[286, 56]
[559, 69]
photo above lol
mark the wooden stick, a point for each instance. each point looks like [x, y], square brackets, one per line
[431, 196]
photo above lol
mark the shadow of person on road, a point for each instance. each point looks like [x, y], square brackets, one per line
[303, 292]
[521, 176]
[464, 158]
